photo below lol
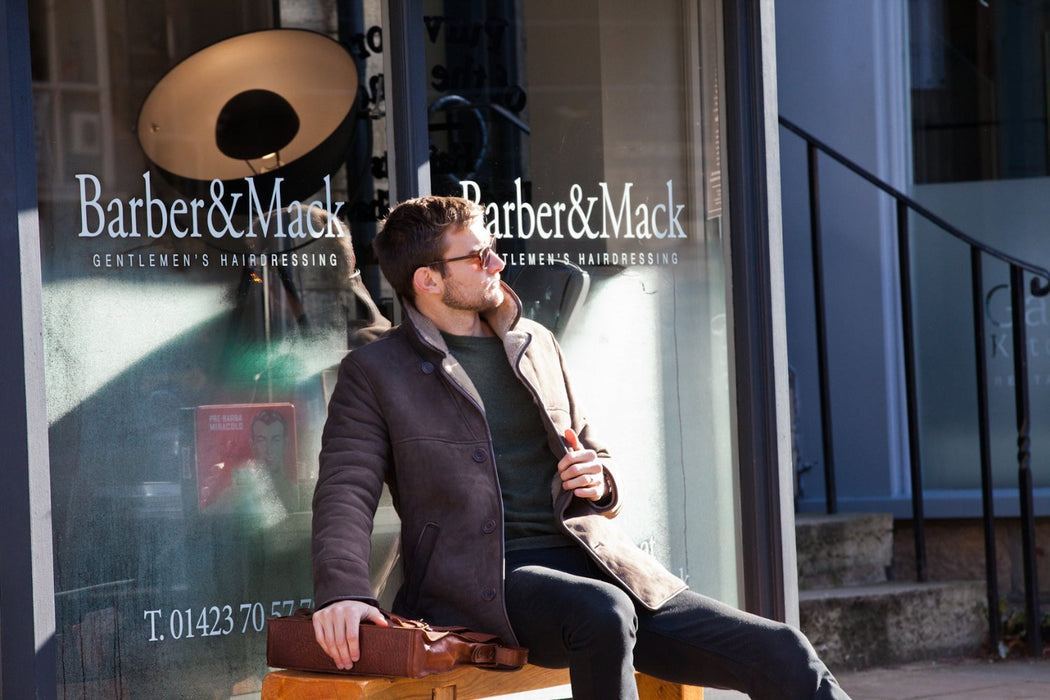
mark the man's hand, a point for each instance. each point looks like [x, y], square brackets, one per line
[336, 628]
[581, 472]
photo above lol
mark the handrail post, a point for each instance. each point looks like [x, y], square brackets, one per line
[816, 248]
[911, 393]
[1034, 637]
[984, 434]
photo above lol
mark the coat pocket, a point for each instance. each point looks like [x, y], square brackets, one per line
[420, 561]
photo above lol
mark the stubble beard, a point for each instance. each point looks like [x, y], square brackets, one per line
[483, 300]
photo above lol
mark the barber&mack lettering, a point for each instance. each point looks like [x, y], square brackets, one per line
[617, 214]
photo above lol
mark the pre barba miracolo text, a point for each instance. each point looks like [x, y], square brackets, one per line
[618, 216]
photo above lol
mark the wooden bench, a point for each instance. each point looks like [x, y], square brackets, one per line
[467, 683]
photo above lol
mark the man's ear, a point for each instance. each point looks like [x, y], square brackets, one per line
[426, 280]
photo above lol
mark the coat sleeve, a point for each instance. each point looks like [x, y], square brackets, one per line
[355, 451]
[610, 505]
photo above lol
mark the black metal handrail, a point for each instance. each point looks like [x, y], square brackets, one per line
[1039, 285]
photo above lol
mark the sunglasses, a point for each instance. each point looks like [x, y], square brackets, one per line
[483, 256]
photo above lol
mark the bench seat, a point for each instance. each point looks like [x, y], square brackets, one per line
[466, 683]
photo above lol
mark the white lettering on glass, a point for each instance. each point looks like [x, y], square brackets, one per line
[215, 620]
[216, 215]
[581, 215]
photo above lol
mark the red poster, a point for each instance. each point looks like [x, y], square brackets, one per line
[245, 451]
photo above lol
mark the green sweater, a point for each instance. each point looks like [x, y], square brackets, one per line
[524, 461]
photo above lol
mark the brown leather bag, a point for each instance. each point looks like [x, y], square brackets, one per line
[406, 649]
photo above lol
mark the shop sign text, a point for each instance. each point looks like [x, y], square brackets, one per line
[193, 218]
[617, 215]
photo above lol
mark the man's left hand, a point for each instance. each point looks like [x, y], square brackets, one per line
[583, 474]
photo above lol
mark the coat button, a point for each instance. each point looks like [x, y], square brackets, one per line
[489, 527]
[479, 455]
[488, 594]
[427, 367]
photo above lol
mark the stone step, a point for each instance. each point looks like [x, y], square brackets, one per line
[888, 623]
[843, 550]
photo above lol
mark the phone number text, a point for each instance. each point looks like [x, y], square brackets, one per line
[216, 620]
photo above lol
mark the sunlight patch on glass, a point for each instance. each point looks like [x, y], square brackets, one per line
[94, 329]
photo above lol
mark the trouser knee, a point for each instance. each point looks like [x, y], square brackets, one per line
[801, 669]
[605, 620]
[794, 645]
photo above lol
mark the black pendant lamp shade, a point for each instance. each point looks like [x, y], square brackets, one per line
[271, 104]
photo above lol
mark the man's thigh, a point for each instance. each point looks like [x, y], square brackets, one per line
[559, 607]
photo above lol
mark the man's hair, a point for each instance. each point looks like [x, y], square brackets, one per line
[412, 236]
[268, 416]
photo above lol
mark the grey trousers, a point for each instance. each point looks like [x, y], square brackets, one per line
[569, 614]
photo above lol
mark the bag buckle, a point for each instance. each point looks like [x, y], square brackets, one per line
[483, 654]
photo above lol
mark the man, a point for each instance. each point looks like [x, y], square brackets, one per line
[269, 439]
[463, 410]
[269, 442]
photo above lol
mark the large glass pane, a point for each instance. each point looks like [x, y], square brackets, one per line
[589, 130]
[194, 307]
[190, 341]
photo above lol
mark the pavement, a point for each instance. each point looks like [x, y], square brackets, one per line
[947, 679]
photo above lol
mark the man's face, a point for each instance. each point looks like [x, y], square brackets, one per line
[469, 285]
[268, 442]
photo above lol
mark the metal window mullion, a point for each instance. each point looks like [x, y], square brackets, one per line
[408, 141]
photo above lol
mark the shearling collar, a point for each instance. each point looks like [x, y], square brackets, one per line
[502, 320]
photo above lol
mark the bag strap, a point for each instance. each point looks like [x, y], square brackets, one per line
[498, 655]
[485, 649]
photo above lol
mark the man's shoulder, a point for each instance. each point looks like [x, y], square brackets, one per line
[394, 340]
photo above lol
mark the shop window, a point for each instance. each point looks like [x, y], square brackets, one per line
[189, 363]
